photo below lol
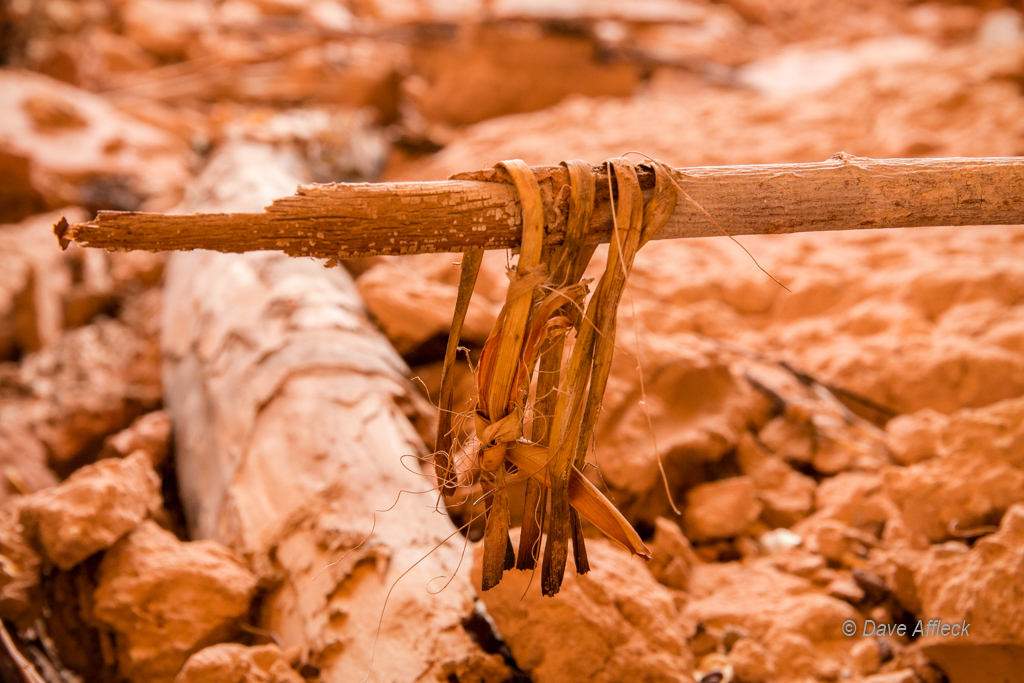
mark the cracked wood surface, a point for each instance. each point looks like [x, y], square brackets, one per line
[291, 420]
[474, 210]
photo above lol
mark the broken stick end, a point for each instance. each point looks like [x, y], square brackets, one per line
[60, 229]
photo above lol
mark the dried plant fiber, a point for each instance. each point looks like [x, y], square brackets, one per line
[543, 434]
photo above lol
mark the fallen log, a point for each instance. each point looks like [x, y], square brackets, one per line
[471, 210]
[289, 410]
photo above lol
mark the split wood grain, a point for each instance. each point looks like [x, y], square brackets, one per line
[472, 211]
[291, 430]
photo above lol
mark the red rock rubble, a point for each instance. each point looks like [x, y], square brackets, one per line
[165, 599]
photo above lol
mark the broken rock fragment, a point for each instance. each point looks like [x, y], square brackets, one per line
[914, 437]
[751, 662]
[44, 290]
[150, 434]
[981, 585]
[765, 602]
[239, 664]
[92, 383]
[621, 623]
[856, 499]
[792, 441]
[978, 472]
[698, 408]
[412, 299]
[787, 616]
[34, 277]
[787, 495]
[62, 145]
[721, 509]
[477, 77]
[672, 557]
[166, 599]
[59, 404]
[92, 509]
[23, 458]
[997, 431]
[19, 570]
[944, 497]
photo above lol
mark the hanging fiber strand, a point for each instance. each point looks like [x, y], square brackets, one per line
[526, 347]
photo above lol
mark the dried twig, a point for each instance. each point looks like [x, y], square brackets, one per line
[364, 219]
[28, 670]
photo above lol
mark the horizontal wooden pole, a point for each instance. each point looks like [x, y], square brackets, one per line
[351, 220]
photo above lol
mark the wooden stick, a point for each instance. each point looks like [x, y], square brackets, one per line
[27, 669]
[342, 220]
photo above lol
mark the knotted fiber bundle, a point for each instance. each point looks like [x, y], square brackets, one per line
[545, 300]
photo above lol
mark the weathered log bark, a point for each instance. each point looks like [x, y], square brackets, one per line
[288, 412]
[356, 220]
